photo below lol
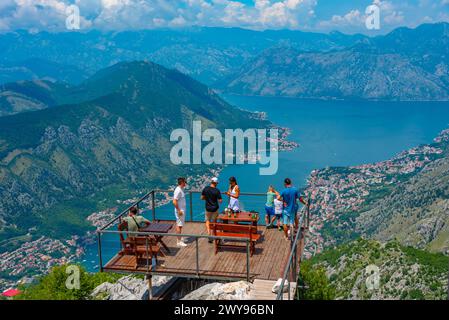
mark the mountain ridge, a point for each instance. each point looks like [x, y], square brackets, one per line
[117, 141]
[373, 69]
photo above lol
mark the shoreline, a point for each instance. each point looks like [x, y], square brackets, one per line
[330, 99]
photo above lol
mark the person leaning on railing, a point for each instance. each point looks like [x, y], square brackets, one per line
[290, 197]
[270, 214]
[135, 221]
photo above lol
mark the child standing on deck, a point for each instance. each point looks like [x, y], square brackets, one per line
[278, 208]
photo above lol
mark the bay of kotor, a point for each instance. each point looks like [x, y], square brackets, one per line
[329, 133]
[338, 133]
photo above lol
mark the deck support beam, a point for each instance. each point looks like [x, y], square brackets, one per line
[150, 286]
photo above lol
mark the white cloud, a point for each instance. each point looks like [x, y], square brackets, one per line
[352, 18]
[394, 18]
[35, 15]
[281, 14]
[178, 21]
[391, 14]
[259, 14]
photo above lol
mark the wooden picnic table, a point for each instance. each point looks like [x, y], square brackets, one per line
[158, 228]
[240, 225]
[241, 217]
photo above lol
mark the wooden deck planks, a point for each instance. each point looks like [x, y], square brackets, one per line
[262, 290]
[277, 267]
[266, 263]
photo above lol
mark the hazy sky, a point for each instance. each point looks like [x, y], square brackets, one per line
[311, 15]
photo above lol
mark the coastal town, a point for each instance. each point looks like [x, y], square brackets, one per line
[335, 192]
[37, 257]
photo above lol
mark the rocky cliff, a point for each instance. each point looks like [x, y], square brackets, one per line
[129, 288]
[381, 68]
[366, 269]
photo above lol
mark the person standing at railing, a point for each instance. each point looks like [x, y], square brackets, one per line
[270, 216]
[233, 193]
[179, 201]
[212, 197]
[290, 197]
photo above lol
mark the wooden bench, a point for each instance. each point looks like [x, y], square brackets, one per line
[235, 231]
[140, 247]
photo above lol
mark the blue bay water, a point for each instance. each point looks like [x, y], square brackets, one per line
[330, 133]
[339, 133]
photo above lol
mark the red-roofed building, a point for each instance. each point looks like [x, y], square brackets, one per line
[10, 293]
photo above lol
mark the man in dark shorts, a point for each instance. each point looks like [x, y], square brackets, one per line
[212, 196]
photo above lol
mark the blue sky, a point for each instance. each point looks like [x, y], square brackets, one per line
[310, 15]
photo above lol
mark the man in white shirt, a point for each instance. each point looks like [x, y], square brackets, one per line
[179, 201]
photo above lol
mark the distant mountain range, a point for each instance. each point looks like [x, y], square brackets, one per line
[107, 136]
[39, 69]
[207, 54]
[406, 64]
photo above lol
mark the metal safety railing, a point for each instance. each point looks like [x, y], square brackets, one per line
[150, 197]
[151, 268]
[292, 268]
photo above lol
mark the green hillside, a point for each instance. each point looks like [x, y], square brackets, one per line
[110, 140]
[23, 96]
[404, 272]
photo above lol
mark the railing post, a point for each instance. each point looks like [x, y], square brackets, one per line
[293, 268]
[150, 287]
[247, 260]
[146, 252]
[191, 205]
[99, 250]
[153, 205]
[197, 257]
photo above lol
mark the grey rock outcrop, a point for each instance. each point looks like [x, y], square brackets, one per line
[128, 288]
[240, 290]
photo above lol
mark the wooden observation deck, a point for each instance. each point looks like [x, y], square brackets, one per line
[268, 261]
[274, 256]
